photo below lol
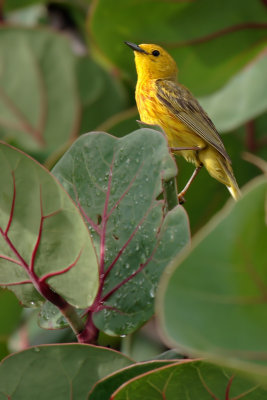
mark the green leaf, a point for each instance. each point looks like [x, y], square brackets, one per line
[102, 95]
[122, 123]
[245, 93]
[212, 299]
[209, 41]
[57, 371]
[190, 380]
[39, 104]
[104, 388]
[10, 311]
[42, 233]
[116, 183]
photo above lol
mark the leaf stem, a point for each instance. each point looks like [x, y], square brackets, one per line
[75, 321]
[89, 333]
[170, 193]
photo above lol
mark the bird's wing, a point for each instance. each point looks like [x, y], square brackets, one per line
[179, 101]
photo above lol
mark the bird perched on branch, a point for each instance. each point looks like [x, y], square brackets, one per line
[163, 101]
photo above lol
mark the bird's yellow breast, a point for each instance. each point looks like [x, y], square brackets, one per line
[152, 111]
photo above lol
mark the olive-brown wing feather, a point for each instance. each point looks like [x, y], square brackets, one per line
[186, 108]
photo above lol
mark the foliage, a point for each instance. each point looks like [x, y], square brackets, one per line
[96, 242]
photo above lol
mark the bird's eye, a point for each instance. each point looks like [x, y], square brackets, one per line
[155, 53]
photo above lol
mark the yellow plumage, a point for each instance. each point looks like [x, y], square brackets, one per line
[163, 101]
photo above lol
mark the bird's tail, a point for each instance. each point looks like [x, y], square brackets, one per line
[220, 168]
[232, 185]
[234, 190]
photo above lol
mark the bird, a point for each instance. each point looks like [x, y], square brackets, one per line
[162, 100]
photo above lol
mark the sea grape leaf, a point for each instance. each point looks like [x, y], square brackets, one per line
[190, 380]
[104, 388]
[245, 94]
[72, 97]
[48, 116]
[57, 371]
[122, 123]
[212, 300]
[209, 41]
[116, 183]
[42, 233]
[101, 94]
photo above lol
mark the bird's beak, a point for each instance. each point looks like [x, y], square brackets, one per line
[135, 47]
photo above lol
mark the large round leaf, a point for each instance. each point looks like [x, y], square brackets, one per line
[57, 371]
[242, 98]
[42, 234]
[101, 94]
[190, 380]
[116, 183]
[212, 300]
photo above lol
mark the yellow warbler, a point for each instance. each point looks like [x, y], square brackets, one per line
[162, 100]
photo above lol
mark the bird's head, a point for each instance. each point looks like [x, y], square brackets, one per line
[153, 62]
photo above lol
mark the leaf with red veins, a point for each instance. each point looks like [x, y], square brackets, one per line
[116, 183]
[187, 379]
[66, 368]
[62, 271]
[42, 237]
